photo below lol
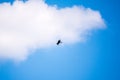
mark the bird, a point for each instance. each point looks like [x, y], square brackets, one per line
[59, 41]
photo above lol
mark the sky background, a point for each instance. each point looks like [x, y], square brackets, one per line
[96, 59]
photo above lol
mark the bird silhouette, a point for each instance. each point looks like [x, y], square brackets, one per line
[59, 41]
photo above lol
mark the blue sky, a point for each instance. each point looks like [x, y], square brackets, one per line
[95, 59]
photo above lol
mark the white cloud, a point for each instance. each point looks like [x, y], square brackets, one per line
[25, 27]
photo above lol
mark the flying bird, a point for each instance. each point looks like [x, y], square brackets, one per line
[59, 41]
